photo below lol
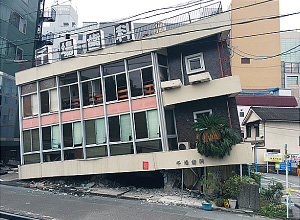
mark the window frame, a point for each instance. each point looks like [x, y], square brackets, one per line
[192, 57]
[201, 112]
[31, 141]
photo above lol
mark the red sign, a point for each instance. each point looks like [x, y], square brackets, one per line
[145, 165]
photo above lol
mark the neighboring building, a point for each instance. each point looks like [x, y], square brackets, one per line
[290, 63]
[275, 127]
[245, 102]
[19, 20]
[255, 73]
[128, 107]
[9, 128]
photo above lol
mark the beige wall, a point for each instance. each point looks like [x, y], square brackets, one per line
[259, 73]
[278, 134]
[240, 154]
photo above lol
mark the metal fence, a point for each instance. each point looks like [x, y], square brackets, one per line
[178, 20]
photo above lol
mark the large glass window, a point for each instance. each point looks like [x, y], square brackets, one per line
[72, 134]
[140, 125]
[68, 135]
[139, 62]
[116, 87]
[99, 151]
[153, 124]
[148, 146]
[91, 86]
[30, 101]
[100, 131]
[69, 91]
[120, 149]
[114, 129]
[31, 140]
[49, 99]
[90, 132]
[125, 128]
[292, 80]
[141, 82]
[110, 88]
[46, 136]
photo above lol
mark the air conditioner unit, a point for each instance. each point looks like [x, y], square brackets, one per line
[171, 84]
[183, 145]
[198, 78]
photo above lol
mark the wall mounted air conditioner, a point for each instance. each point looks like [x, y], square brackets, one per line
[183, 145]
[198, 78]
[171, 84]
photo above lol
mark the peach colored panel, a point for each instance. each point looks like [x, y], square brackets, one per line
[93, 112]
[70, 115]
[50, 119]
[116, 108]
[30, 123]
[144, 103]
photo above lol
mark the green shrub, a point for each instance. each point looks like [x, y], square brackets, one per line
[214, 137]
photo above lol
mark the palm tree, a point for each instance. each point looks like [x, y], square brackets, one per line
[214, 137]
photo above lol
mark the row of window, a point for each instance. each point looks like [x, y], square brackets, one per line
[146, 126]
[13, 17]
[287, 67]
[10, 50]
[115, 81]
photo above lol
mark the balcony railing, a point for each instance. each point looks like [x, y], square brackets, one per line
[139, 32]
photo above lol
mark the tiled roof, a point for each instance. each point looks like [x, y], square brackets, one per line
[266, 100]
[277, 113]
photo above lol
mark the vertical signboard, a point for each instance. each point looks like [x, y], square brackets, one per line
[41, 56]
[123, 32]
[93, 41]
[66, 49]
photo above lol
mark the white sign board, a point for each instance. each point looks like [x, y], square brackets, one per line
[67, 49]
[41, 56]
[272, 157]
[93, 41]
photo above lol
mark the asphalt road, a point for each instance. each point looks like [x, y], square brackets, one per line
[48, 205]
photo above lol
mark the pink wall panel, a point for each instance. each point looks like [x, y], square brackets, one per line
[93, 112]
[50, 119]
[30, 123]
[144, 103]
[116, 108]
[70, 116]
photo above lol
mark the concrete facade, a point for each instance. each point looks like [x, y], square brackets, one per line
[105, 112]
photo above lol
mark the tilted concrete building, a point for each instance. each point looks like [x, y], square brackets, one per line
[130, 107]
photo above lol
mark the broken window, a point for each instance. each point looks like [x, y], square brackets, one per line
[148, 146]
[68, 135]
[69, 91]
[49, 99]
[114, 129]
[90, 132]
[73, 154]
[52, 156]
[140, 125]
[46, 137]
[30, 102]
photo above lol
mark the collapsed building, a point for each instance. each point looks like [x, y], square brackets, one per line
[130, 107]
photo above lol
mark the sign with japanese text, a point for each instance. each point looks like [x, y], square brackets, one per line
[272, 157]
[145, 165]
[93, 41]
[281, 166]
[123, 32]
[293, 158]
[66, 49]
[41, 56]
[192, 162]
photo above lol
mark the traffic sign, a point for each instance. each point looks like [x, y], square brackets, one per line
[293, 158]
[281, 166]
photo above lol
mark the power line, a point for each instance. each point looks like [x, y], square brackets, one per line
[238, 23]
[150, 49]
[62, 32]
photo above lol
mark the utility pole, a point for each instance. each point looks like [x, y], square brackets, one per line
[255, 150]
[286, 182]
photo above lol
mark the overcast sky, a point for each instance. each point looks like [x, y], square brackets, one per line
[109, 10]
